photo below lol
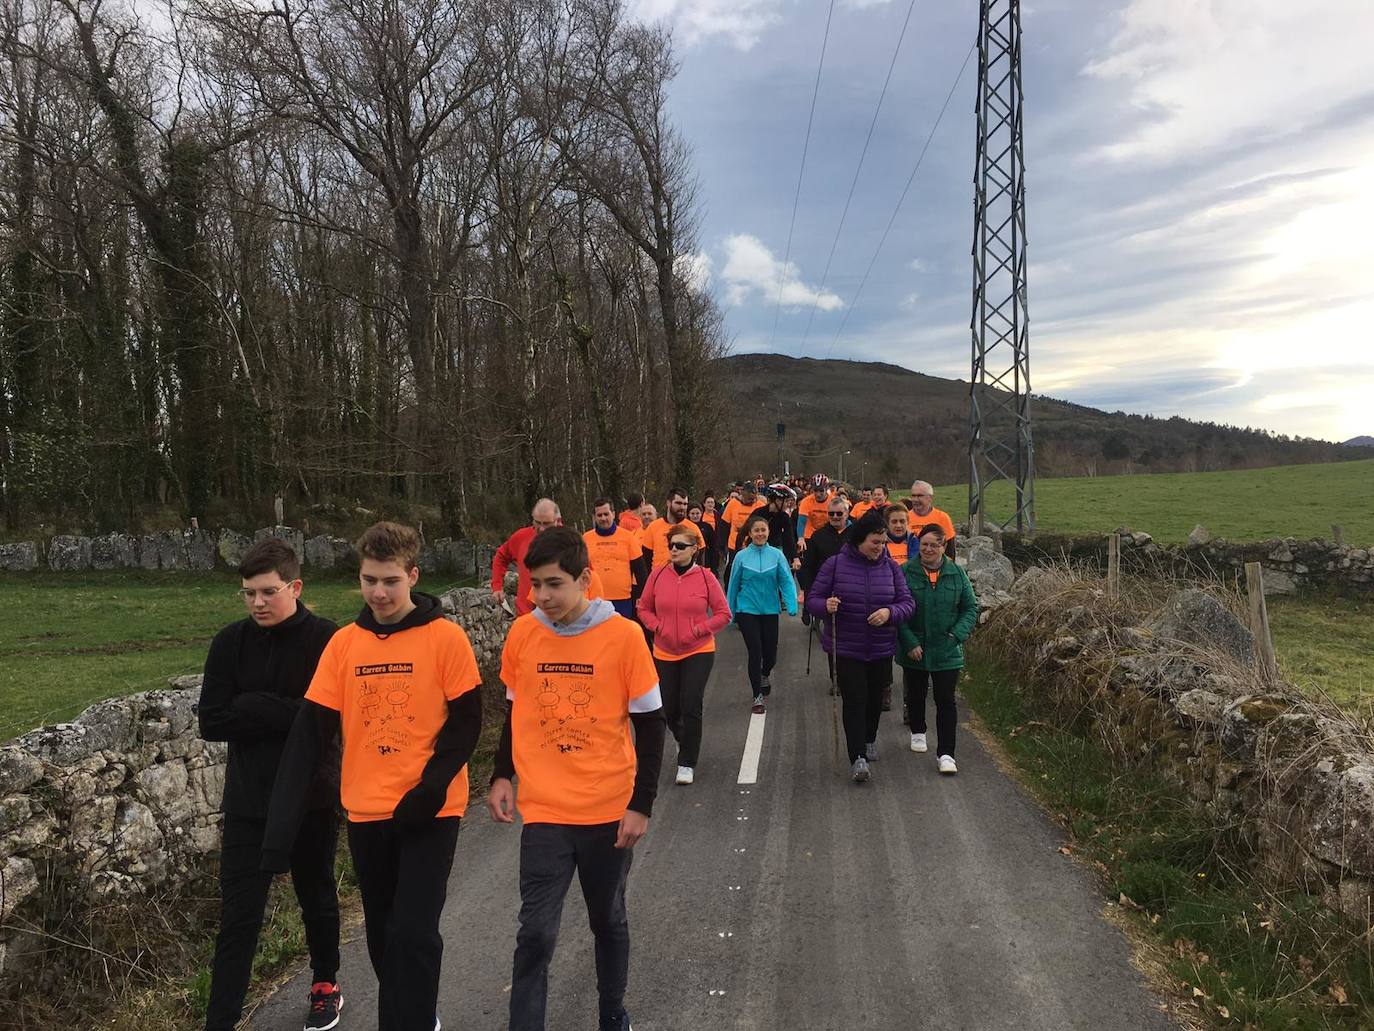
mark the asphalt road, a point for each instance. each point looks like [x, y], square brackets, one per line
[802, 901]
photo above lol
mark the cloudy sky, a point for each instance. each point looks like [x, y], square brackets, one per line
[1200, 194]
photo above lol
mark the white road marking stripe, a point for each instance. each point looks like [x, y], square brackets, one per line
[753, 748]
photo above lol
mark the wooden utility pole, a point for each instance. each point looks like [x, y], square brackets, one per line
[1259, 622]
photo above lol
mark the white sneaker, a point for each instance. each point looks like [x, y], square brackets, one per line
[684, 775]
[947, 764]
[918, 742]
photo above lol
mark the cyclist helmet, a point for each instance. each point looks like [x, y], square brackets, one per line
[820, 482]
[778, 492]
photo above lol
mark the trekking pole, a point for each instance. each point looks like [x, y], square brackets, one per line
[810, 636]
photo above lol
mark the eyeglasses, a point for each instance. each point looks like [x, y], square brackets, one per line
[267, 593]
[835, 515]
[679, 546]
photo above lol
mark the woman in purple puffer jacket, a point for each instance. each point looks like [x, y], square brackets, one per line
[860, 598]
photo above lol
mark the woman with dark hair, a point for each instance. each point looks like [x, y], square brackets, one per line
[709, 554]
[860, 597]
[761, 585]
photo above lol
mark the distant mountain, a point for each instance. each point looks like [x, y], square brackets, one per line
[1362, 441]
[898, 424]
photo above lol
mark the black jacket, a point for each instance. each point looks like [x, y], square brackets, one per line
[255, 678]
[822, 544]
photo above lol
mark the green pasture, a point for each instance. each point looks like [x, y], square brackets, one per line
[1243, 505]
[67, 640]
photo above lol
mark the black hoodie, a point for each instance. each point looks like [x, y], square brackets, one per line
[255, 678]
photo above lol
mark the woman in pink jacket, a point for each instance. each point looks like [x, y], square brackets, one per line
[683, 606]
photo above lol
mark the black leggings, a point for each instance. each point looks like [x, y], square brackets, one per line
[915, 682]
[760, 635]
[683, 684]
[861, 694]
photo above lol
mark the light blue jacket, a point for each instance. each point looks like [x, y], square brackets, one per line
[759, 578]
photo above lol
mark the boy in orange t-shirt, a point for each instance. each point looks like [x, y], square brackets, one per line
[577, 676]
[401, 683]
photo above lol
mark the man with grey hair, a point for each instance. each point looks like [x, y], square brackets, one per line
[924, 512]
[543, 516]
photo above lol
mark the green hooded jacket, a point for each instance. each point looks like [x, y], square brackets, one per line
[946, 613]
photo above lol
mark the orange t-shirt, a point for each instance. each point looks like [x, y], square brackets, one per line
[814, 512]
[932, 575]
[392, 695]
[860, 507]
[709, 517]
[898, 550]
[736, 514]
[941, 519]
[630, 521]
[595, 589]
[656, 538]
[611, 557]
[570, 717]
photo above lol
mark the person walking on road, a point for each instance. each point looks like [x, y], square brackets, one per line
[684, 607]
[709, 554]
[924, 512]
[811, 511]
[543, 516]
[616, 557]
[931, 650]
[655, 539]
[782, 524]
[861, 596]
[761, 586]
[825, 543]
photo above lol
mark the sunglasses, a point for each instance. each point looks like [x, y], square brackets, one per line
[680, 546]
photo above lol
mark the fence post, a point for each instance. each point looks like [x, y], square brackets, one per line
[1338, 535]
[1114, 567]
[279, 510]
[1259, 622]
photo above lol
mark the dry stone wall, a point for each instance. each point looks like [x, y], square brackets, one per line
[199, 549]
[124, 799]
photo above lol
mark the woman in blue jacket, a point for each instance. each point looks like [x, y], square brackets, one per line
[761, 585]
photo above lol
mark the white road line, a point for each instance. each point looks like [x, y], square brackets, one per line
[753, 748]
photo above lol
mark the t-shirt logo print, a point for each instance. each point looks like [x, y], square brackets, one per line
[565, 693]
[384, 696]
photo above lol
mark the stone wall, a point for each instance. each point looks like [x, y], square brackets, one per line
[124, 799]
[199, 549]
[1180, 691]
[1290, 564]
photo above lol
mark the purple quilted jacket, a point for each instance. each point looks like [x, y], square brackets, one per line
[863, 586]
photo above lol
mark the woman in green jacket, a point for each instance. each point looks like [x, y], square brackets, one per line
[931, 642]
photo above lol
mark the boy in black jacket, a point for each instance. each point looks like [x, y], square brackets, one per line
[256, 673]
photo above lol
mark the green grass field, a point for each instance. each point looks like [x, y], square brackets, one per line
[1245, 505]
[67, 640]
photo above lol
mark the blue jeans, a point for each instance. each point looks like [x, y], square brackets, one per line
[549, 855]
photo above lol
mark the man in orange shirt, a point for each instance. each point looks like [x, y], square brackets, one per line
[924, 513]
[617, 556]
[544, 515]
[629, 518]
[655, 538]
[578, 676]
[401, 683]
[862, 506]
[811, 511]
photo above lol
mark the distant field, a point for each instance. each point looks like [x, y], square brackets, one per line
[1248, 504]
[69, 640]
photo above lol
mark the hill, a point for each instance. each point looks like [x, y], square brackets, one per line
[898, 425]
[1361, 441]
[1243, 505]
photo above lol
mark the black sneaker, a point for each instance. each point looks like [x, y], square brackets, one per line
[325, 1003]
[619, 1022]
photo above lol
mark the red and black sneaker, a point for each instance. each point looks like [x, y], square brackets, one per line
[325, 1003]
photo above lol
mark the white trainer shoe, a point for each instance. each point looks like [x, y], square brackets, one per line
[918, 742]
[684, 775]
[947, 764]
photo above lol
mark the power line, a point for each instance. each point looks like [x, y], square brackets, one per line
[787, 252]
[825, 276]
[910, 179]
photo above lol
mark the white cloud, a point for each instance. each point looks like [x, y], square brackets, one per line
[1211, 73]
[695, 270]
[920, 265]
[751, 268]
[742, 22]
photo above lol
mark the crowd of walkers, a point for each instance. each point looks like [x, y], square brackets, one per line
[612, 647]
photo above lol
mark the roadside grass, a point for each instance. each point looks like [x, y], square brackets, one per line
[1243, 956]
[1325, 645]
[1244, 505]
[68, 640]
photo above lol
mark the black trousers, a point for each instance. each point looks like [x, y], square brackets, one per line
[549, 854]
[915, 683]
[243, 892]
[760, 635]
[682, 683]
[403, 880]
[861, 696]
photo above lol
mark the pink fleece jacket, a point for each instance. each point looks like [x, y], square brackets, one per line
[683, 611]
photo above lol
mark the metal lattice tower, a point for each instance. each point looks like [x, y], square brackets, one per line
[1000, 445]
